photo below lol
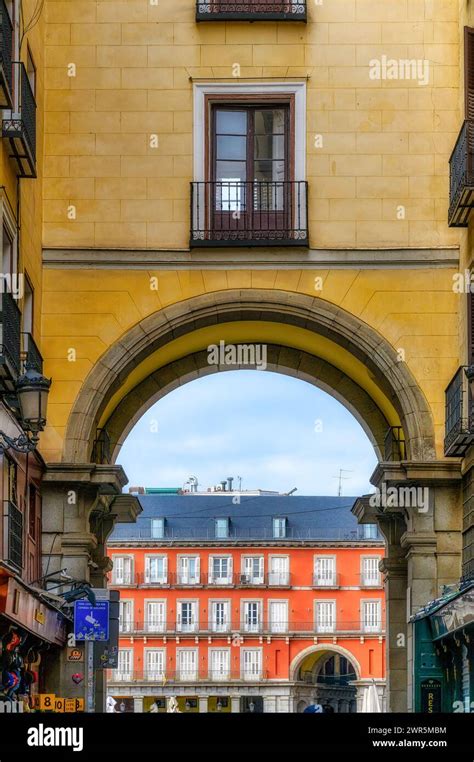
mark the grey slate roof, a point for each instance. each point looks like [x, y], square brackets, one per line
[189, 517]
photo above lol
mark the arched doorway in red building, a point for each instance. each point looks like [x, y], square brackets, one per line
[331, 677]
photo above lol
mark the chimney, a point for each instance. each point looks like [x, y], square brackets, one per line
[230, 479]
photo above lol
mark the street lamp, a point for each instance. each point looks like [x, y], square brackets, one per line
[32, 389]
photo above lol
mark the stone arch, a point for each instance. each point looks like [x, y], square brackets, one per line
[330, 648]
[393, 378]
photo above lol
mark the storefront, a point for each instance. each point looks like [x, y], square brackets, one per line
[444, 654]
[28, 628]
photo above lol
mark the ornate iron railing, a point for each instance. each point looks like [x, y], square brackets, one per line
[461, 183]
[14, 548]
[206, 628]
[101, 448]
[20, 125]
[394, 444]
[11, 328]
[32, 357]
[459, 431]
[251, 10]
[245, 213]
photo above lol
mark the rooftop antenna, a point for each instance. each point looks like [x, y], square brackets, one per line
[342, 478]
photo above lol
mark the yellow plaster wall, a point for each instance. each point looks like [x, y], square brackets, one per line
[386, 143]
[88, 311]
[30, 190]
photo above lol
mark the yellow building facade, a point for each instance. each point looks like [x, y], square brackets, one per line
[247, 180]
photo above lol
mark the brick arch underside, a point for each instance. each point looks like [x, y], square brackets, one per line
[393, 378]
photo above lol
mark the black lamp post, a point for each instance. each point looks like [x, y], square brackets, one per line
[32, 389]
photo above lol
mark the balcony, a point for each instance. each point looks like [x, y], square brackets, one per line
[184, 676]
[252, 10]
[279, 579]
[10, 361]
[461, 173]
[243, 213]
[249, 580]
[370, 582]
[31, 356]
[14, 523]
[327, 581]
[249, 630]
[459, 431]
[19, 126]
[6, 66]
[394, 445]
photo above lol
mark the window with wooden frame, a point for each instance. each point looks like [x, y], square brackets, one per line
[250, 194]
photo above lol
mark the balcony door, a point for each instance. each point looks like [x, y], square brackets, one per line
[155, 616]
[250, 172]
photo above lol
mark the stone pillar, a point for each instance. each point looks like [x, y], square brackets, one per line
[395, 568]
[269, 704]
[138, 704]
[418, 509]
[81, 503]
[235, 704]
[203, 704]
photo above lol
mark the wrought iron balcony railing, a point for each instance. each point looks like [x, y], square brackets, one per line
[19, 125]
[6, 65]
[251, 10]
[10, 356]
[184, 676]
[459, 430]
[328, 580]
[32, 357]
[461, 171]
[394, 444]
[14, 544]
[249, 629]
[141, 532]
[370, 581]
[244, 213]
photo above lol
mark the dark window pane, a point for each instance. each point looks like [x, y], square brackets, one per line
[231, 147]
[268, 121]
[269, 171]
[231, 122]
[269, 146]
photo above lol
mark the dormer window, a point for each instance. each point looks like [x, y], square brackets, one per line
[279, 527]
[158, 529]
[222, 528]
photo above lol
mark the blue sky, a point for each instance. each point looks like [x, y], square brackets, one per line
[258, 425]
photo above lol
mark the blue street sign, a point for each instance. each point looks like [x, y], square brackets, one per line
[91, 622]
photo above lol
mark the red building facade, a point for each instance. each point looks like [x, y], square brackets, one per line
[255, 623]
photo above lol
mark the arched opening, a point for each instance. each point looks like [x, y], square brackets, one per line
[326, 673]
[305, 337]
